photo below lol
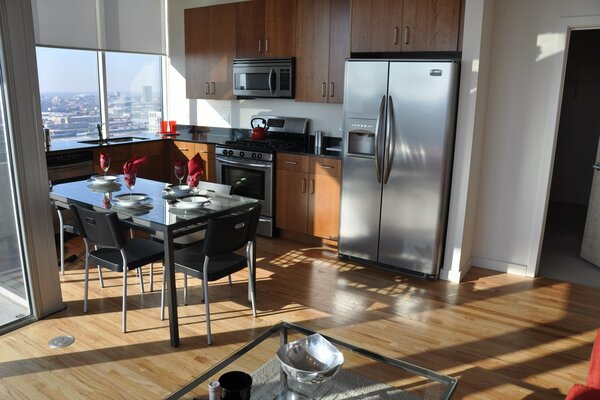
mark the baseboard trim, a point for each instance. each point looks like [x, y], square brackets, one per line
[500, 266]
[456, 276]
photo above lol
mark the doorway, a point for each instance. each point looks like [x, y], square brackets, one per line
[572, 176]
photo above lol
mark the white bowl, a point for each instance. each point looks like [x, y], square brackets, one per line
[178, 190]
[131, 199]
[310, 360]
[101, 180]
[192, 202]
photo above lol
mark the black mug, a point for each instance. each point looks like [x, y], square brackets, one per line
[235, 385]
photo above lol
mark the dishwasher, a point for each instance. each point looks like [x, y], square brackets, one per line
[66, 167]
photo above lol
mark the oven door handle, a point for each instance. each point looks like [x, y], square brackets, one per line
[243, 163]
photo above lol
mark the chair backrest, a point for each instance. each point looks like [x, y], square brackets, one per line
[102, 229]
[218, 188]
[254, 219]
[227, 234]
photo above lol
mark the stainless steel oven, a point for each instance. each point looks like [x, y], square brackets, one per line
[263, 77]
[251, 178]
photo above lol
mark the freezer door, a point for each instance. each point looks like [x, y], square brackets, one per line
[364, 130]
[421, 122]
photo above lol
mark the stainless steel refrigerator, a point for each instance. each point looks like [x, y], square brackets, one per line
[399, 124]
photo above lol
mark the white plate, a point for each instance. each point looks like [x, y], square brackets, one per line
[131, 200]
[99, 180]
[191, 202]
[178, 189]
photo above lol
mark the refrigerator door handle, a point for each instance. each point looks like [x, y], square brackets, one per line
[391, 140]
[378, 133]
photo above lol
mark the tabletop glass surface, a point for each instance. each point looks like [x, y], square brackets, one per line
[363, 374]
[158, 210]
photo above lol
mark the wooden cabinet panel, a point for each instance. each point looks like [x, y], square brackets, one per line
[292, 200]
[154, 167]
[118, 156]
[222, 50]
[339, 48]
[431, 25]
[279, 28]
[185, 151]
[376, 25]
[210, 45]
[322, 46]
[197, 53]
[325, 166]
[324, 206]
[250, 42]
[312, 50]
[308, 202]
[292, 162]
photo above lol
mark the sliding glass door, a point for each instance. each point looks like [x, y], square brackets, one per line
[14, 293]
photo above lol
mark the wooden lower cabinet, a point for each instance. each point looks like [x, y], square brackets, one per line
[308, 195]
[118, 155]
[185, 151]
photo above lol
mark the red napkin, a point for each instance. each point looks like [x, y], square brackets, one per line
[104, 161]
[195, 170]
[131, 166]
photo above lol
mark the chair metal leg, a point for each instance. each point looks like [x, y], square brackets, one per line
[229, 276]
[85, 274]
[141, 276]
[162, 294]
[251, 277]
[185, 290]
[100, 277]
[151, 277]
[125, 270]
[205, 289]
[62, 241]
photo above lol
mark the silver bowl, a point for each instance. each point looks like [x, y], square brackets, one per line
[310, 360]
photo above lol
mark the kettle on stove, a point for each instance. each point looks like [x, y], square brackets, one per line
[259, 132]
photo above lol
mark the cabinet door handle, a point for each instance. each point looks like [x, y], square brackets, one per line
[266, 45]
[331, 89]
[260, 45]
[325, 166]
[323, 88]
[290, 162]
[206, 88]
[312, 186]
[406, 35]
[303, 185]
[396, 31]
[213, 87]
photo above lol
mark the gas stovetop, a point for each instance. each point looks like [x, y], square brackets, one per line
[265, 145]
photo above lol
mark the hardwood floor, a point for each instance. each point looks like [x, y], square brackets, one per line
[502, 336]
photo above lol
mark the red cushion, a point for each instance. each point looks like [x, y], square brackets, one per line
[582, 392]
[593, 378]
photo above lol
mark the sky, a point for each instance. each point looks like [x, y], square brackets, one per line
[76, 71]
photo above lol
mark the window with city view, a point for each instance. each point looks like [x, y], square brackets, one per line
[70, 92]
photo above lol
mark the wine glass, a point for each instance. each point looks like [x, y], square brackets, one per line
[130, 181]
[105, 162]
[179, 170]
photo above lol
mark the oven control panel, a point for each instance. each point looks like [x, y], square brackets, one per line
[245, 154]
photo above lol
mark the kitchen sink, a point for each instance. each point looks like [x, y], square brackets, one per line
[123, 139]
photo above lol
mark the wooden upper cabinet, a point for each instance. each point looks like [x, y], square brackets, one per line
[405, 25]
[265, 28]
[210, 46]
[431, 25]
[250, 29]
[322, 46]
[279, 28]
[376, 25]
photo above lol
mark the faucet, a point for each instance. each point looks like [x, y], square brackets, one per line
[101, 138]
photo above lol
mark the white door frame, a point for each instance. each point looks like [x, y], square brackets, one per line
[556, 83]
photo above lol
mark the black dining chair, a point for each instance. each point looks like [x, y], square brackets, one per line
[186, 240]
[113, 250]
[215, 257]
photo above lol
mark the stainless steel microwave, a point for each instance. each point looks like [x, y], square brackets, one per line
[264, 77]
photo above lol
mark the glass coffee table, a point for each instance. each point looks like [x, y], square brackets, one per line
[363, 375]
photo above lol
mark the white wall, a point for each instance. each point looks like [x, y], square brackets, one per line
[520, 129]
[231, 113]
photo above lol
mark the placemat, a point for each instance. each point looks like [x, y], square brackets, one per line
[344, 385]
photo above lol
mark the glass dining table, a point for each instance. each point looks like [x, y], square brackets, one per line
[158, 211]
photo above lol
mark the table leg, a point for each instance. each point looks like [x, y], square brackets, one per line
[171, 289]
